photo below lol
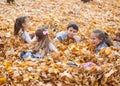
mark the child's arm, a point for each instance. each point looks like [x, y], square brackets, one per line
[60, 36]
[26, 37]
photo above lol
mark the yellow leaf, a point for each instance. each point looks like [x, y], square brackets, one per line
[26, 77]
[66, 74]
[37, 75]
[118, 61]
[110, 73]
[3, 80]
[96, 84]
[24, 63]
[7, 64]
[53, 70]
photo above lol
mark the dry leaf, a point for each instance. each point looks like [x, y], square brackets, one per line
[3, 80]
[54, 70]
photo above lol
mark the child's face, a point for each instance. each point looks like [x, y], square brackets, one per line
[71, 32]
[95, 40]
[26, 24]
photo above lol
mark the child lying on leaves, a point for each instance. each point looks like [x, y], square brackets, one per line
[42, 46]
[68, 36]
[100, 40]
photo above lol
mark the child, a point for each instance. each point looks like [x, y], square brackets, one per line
[20, 28]
[71, 33]
[100, 40]
[43, 42]
[42, 46]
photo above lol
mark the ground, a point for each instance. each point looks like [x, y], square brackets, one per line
[54, 70]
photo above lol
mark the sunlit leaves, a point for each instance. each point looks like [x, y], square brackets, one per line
[54, 68]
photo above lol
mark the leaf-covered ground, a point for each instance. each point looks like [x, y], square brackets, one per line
[54, 70]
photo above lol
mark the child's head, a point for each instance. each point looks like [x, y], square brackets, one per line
[41, 34]
[21, 23]
[72, 29]
[98, 36]
[42, 37]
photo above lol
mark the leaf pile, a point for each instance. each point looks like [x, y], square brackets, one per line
[54, 70]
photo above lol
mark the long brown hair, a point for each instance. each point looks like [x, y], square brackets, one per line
[43, 40]
[18, 24]
[104, 36]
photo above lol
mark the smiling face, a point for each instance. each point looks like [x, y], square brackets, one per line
[71, 32]
[95, 40]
